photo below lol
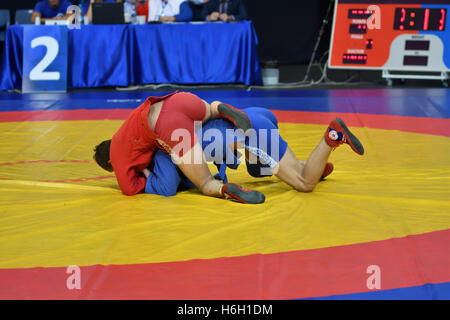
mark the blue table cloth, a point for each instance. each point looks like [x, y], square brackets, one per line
[122, 55]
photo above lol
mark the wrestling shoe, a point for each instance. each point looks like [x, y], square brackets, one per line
[338, 133]
[237, 117]
[327, 171]
[236, 193]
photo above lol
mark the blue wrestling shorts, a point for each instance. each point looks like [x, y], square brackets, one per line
[263, 141]
[268, 145]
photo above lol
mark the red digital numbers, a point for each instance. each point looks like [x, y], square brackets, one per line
[442, 21]
[403, 18]
[422, 19]
[354, 59]
[359, 13]
[426, 19]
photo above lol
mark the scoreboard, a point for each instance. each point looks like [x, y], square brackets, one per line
[391, 35]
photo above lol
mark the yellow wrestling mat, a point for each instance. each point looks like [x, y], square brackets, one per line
[71, 212]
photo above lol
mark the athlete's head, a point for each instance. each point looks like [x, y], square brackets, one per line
[101, 155]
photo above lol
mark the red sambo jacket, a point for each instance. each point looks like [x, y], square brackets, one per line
[132, 148]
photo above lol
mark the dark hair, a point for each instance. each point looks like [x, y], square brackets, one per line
[101, 155]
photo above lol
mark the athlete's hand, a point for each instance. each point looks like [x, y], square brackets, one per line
[146, 172]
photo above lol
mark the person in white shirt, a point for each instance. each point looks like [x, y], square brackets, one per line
[169, 11]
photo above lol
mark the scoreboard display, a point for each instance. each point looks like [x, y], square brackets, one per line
[391, 35]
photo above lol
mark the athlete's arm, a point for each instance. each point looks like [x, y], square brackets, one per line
[130, 182]
[165, 178]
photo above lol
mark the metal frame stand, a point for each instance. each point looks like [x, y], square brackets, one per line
[443, 76]
[325, 22]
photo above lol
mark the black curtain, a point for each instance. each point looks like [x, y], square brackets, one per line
[287, 30]
[22, 4]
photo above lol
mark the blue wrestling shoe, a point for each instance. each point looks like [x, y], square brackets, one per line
[236, 193]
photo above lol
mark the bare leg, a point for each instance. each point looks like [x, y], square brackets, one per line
[192, 164]
[194, 167]
[304, 177]
[212, 111]
[198, 172]
[316, 162]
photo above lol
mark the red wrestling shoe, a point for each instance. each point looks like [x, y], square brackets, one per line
[338, 133]
[328, 170]
[237, 117]
[236, 193]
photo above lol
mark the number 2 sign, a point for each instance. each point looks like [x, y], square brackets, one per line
[44, 59]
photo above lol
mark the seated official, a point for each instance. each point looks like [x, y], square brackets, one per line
[197, 9]
[142, 8]
[51, 10]
[169, 11]
[224, 10]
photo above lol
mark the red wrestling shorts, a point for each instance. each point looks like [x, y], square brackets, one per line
[175, 124]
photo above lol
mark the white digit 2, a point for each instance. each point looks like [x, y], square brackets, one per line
[38, 73]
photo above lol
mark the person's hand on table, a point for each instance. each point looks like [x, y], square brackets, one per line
[214, 16]
[70, 17]
[167, 19]
[225, 17]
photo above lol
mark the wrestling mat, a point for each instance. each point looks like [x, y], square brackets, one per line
[389, 209]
